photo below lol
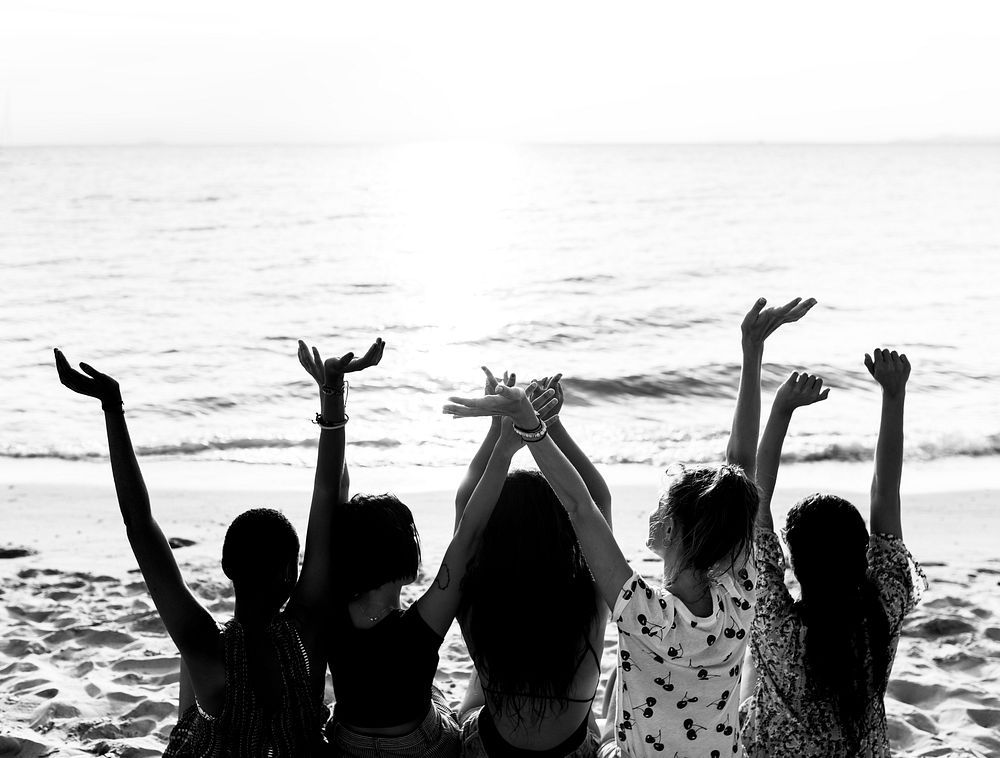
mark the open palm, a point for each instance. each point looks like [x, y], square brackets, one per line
[91, 383]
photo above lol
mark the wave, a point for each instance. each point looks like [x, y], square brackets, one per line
[646, 454]
[193, 447]
[715, 380]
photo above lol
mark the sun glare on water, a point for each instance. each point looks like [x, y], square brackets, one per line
[451, 203]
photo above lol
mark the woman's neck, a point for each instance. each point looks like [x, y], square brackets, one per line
[371, 607]
[692, 587]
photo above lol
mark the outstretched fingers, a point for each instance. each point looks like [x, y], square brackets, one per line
[754, 313]
[371, 358]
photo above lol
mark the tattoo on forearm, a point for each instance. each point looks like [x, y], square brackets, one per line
[443, 577]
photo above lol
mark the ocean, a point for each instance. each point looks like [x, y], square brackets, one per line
[188, 273]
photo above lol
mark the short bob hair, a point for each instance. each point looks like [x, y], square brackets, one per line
[375, 542]
[259, 544]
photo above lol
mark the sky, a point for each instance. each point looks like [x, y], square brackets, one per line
[222, 71]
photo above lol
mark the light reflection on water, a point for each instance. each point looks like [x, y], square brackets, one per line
[189, 273]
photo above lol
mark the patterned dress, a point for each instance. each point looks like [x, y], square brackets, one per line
[242, 728]
[785, 715]
[679, 674]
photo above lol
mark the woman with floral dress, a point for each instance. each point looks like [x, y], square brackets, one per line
[823, 661]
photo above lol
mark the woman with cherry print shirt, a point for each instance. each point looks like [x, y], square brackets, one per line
[682, 671]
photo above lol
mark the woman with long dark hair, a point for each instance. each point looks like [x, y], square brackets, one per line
[823, 661]
[533, 691]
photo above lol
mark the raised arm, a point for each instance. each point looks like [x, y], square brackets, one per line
[798, 390]
[482, 456]
[596, 485]
[311, 591]
[890, 370]
[190, 625]
[607, 563]
[757, 325]
[439, 603]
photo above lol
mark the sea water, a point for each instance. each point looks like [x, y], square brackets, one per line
[188, 273]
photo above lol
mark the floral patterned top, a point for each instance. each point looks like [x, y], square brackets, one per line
[785, 716]
[679, 674]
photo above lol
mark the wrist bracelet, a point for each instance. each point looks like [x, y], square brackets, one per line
[118, 407]
[532, 435]
[327, 389]
[323, 424]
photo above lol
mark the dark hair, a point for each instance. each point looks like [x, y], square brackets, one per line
[374, 541]
[259, 543]
[714, 510]
[529, 566]
[840, 606]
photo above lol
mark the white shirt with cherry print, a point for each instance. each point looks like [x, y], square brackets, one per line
[679, 674]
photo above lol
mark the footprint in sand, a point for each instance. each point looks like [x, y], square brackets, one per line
[18, 648]
[29, 684]
[19, 612]
[55, 709]
[987, 718]
[153, 709]
[915, 693]
[938, 626]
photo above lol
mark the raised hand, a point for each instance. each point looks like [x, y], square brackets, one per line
[547, 383]
[491, 381]
[512, 402]
[322, 371]
[91, 383]
[760, 322]
[890, 369]
[799, 390]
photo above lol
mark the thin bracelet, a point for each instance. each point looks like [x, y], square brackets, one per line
[326, 389]
[323, 425]
[118, 407]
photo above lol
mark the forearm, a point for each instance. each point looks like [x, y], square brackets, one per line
[133, 499]
[592, 478]
[769, 460]
[331, 455]
[885, 511]
[742, 446]
[484, 497]
[889, 450]
[476, 468]
[564, 479]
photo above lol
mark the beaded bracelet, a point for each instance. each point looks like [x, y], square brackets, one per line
[323, 425]
[532, 435]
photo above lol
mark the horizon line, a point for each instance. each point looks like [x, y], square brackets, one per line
[943, 141]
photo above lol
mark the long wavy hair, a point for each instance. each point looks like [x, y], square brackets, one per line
[840, 606]
[529, 568]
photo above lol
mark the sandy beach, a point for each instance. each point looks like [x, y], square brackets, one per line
[86, 667]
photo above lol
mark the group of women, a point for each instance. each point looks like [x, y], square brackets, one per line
[531, 574]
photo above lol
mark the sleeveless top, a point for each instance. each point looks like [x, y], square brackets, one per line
[242, 728]
[382, 676]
